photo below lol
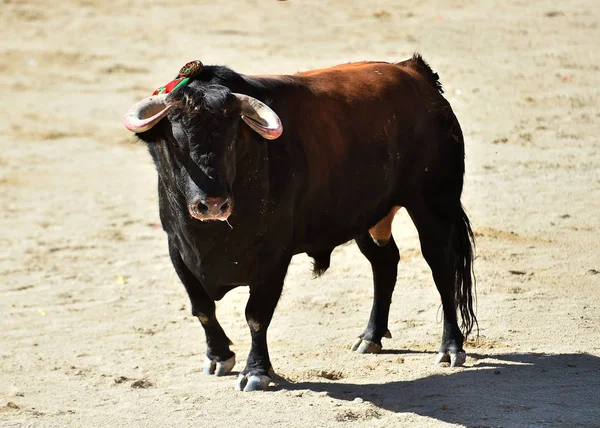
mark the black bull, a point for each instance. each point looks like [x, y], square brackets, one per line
[360, 141]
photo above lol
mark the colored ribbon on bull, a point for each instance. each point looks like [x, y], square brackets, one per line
[183, 78]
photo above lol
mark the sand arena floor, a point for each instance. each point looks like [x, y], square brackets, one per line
[96, 329]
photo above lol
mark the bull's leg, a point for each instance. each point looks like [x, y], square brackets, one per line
[219, 358]
[264, 295]
[435, 234]
[384, 258]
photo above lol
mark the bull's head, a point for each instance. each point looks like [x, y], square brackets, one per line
[194, 146]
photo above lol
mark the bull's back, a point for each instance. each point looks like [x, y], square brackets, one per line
[353, 128]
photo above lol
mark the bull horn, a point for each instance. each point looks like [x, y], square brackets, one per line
[260, 117]
[146, 113]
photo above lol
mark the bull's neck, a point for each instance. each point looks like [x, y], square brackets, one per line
[252, 166]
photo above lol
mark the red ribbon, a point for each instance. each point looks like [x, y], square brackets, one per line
[186, 72]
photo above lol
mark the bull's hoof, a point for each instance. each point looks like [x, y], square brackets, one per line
[250, 382]
[456, 359]
[218, 368]
[364, 346]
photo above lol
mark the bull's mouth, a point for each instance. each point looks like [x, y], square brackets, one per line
[211, 220]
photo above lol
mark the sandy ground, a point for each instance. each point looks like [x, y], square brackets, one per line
[96, 329]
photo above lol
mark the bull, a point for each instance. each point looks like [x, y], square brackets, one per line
[361, 141]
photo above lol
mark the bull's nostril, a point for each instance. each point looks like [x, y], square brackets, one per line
[225, 207]
[201, 208]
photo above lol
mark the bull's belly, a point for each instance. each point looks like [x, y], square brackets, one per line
[326, 232]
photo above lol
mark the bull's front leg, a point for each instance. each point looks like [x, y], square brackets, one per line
[219, 359]
[264, 295]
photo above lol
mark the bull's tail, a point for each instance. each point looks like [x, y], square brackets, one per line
[463, 249]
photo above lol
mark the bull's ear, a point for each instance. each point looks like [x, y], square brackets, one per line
[260, 117]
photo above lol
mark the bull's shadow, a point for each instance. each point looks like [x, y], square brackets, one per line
[513, 390]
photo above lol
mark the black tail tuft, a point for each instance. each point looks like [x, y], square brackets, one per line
[418, 64]
[463, 246]
[321, 262]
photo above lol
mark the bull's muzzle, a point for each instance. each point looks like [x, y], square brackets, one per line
[211, 209]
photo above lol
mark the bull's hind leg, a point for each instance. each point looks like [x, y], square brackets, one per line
[382, 252]
[446, 247]
[219, 358]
